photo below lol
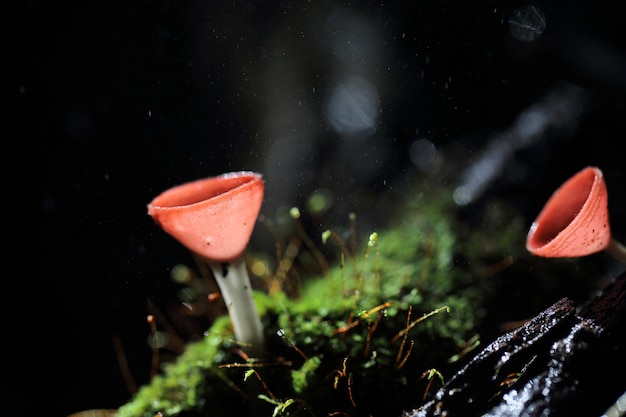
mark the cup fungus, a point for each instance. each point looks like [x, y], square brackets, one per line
[214, 218]
[575, 220]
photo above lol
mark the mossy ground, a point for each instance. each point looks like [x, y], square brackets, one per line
[371, 336]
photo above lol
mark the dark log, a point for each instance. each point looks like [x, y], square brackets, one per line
[560, 363]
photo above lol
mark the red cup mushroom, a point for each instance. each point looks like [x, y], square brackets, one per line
[214, 218]
[575, 220]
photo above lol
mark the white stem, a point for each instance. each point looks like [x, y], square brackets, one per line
[234, 282]
[617, 250]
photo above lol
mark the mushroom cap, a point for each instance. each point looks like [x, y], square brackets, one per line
[575, 220]
[213, 217]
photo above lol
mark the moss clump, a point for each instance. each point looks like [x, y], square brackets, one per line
[367, 338]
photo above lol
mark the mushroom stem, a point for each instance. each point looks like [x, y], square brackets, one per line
[234, 283]
[616, 250]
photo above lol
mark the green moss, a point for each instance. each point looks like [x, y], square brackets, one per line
[180, 385]
[347, 343]
[300, 377]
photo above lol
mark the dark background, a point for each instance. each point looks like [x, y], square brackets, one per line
[126, 99]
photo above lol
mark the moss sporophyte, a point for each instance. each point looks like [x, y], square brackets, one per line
[371, 335]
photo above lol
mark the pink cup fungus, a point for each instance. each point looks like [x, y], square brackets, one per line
[214, 218]
[575, 220]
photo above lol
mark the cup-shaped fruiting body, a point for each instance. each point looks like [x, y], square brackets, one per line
[575, 220]
[214, 218]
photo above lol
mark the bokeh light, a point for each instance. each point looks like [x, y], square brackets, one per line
[353, 106]
[423, 154]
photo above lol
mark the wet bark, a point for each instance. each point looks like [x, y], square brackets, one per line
[565, 361]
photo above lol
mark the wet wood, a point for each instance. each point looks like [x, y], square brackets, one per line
[563, 362]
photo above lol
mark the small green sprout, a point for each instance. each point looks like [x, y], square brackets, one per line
[373, 239]
[429, 375]
[280, 406]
